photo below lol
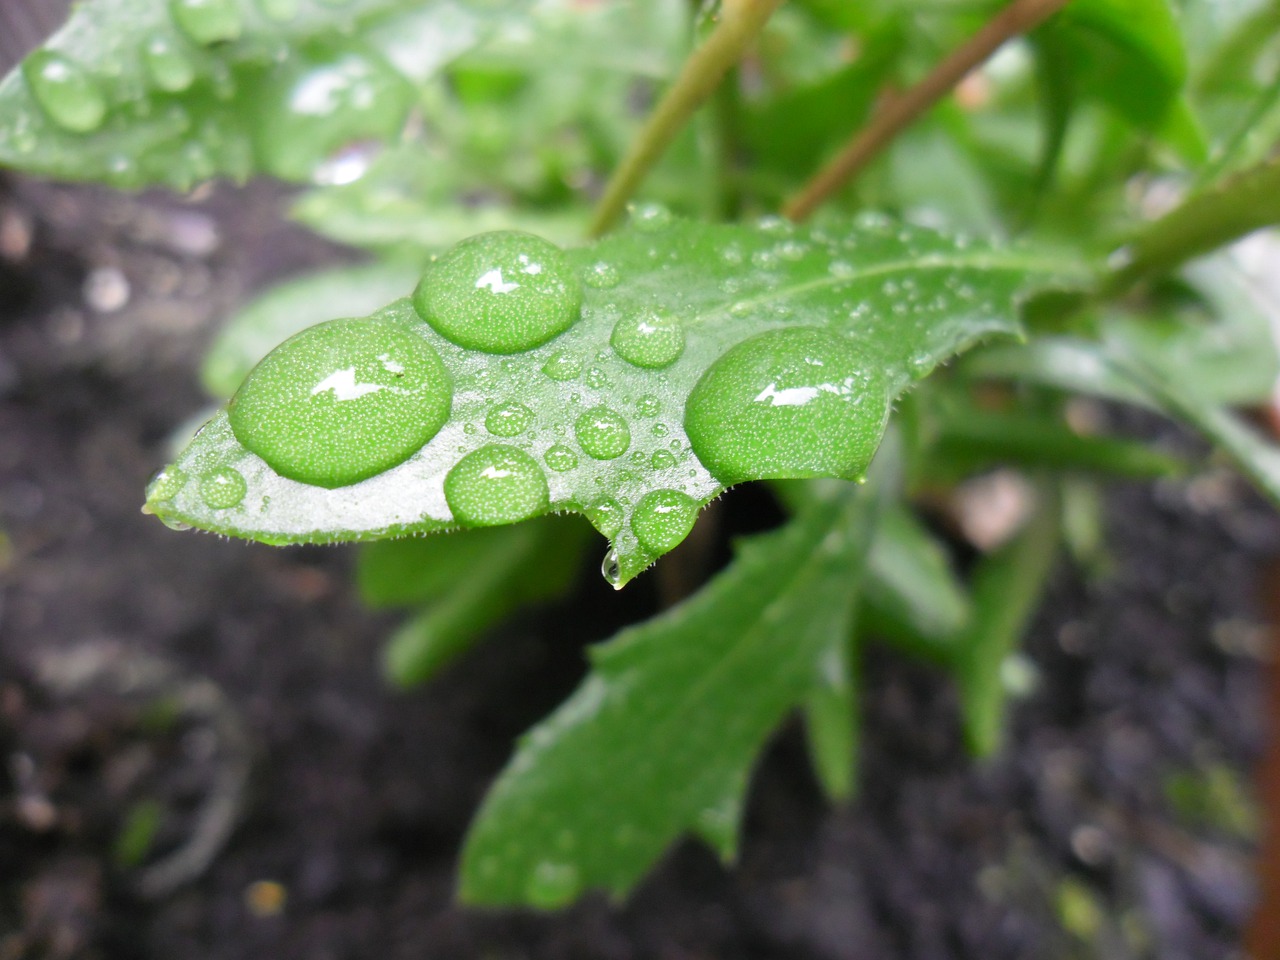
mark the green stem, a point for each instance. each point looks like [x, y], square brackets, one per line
[1248, 201]
[740, 22]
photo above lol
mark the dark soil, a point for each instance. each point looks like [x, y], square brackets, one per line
[141, 670]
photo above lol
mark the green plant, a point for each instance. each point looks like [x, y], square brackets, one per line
[493, 377]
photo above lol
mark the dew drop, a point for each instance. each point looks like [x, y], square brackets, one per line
[509, 419]
[602, 276]
[560, 458]
[502, 292]
[921, 365]
[597, 379]
[169, 68]
[318, 116]
[607, 517]
[651, 339]
[166, 484]
[563, 366]
[650, 217]
[611, 568]
[552, 885]
[603, 433]
[207, 21]
[788, 403]
[65, 91]
[494, 485]
[648, 406]
[663, 518]
[343, 401]
[660, 430]
[662, 460]
[222, 487]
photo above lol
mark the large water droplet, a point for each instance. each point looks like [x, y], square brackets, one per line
[603, 433]
[502, 292]
[168, 66]
[560, 458]
[788, 403]
[663, 518]
[343, 401]
[509, 419]
[222, 487]
[317, 117]
[652, 339]
[496, 484]
[65, 91]
[207, 21]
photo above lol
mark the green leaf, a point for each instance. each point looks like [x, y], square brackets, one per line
[468, 582]
[139, 92]
[673, 712]
[884, 303]
[831, 718]
[252, 332]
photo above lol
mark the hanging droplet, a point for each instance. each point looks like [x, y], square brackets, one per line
[560, 458]
[651, 338]
[663, 518]
[343, 401]
[503, 292]
[65, 91]
[168, 66]
[509, 419]
[222, 488]
[494, 485]
[207, 21]
[788, 403]
[611, 568]
[603, 433]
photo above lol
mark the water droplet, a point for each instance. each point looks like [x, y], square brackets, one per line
[502, 292]
[652, 339]
[552, 885]
[792, 250]
[663, 518]
[494, 485]
[597, 379]
[603, 433]
[788, 403]
[611, 568]
[316, 114]
[740, 310]
[509, 419]
[606, 517]
[65, 91]
[648, 406]
[563, 366]
[602, 276]
[650, 217]
[343, 401]
[841, 269]
[207, 21]
[921, 365]
[166, 484]
[278, 10]
[169, 68]
[560, 458]
[662, 460]
[222, 487]
[774, 224]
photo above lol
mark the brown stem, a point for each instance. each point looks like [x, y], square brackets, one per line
[902, 110]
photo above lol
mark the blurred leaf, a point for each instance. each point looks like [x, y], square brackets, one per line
[672, 711]
[832, 723]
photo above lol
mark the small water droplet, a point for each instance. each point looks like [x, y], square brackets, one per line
[662, 460]
[603, 433]
[652, 339]
[168, 66]
[921, 365]
[503, 292]
[607, 517]
[342, 401]
[841, 269]
[597, 379]
[648, 406]
[65, 91]
[602, 276]
[563, 366]
[207, 21]
[552, 885]
[222, 487]
[509, 419]
[663, 518]
[611, 568]
[166, 484]
[560, 458]
[792, 250]
[650, 217]
[740, 310]
[494, 485]
[774, 224]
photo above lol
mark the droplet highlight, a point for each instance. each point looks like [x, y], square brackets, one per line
[663, 518]
[651, 339]
[65, 91]
[602, 433]
[494, 485]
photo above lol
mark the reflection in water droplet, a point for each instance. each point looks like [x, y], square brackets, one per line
[222, 488]
[65, 91]
[663, 518]
[169, 68]
[602, 433]
[509, 419]
[494, 485]
[611, 568]
[602, 276]
[502, 292]
[343, 401]
[651, 339]
[788, 403]
[207, 21]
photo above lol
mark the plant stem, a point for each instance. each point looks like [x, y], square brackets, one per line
[740, 22]
[901, 111]
[1238, 205]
